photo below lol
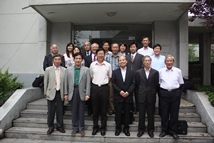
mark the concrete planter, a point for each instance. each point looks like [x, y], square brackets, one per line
[203, 108]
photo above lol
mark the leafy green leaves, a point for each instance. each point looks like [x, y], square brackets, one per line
[8, 84]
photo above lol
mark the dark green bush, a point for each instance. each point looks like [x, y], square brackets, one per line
[8, 84]
[209, 90]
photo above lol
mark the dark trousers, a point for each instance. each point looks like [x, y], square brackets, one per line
[144, 108]
[55, 106]
[77, 110]
[99, 99]
[169, 104]
[122, 108]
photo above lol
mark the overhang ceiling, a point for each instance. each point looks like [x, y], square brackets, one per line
[96, 13]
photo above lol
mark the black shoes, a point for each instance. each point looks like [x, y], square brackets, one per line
[162, 134]
[175, 136]
[95, 131]
[103, 132]
[151, 134]
[126, 132]
[117, 132]
[140, 133]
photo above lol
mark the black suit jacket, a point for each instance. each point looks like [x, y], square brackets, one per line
[146, 88]
[88, 60]
[118, 85]
[48, 61]
[137, 63]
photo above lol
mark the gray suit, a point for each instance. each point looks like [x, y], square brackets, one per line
[76, 94]
[54, 98]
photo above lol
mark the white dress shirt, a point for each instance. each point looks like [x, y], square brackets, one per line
[145, 51]
[147, 72]
[100, 73]
[68, 61]
[123, 72]
[170, 79]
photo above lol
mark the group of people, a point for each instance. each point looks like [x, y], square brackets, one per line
[109, 81]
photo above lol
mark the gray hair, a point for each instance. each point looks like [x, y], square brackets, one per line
[171, 57]
[147, 56]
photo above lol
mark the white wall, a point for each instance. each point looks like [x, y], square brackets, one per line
[19, 30]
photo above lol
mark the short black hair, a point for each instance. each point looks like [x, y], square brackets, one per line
[145, 37]
[105, 42]
[157, 45]
[57, 55]
[132, 43]
[100, 49]
[77, 54]
[123, 44]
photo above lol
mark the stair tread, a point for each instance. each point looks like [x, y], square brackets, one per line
[42, 131]
[90, 122]
[40, 111]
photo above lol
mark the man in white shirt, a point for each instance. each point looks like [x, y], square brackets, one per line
[170, 79]
[158, 60]
[145, 50]
[101, 73]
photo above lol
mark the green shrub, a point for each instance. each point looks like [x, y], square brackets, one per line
[209, 90]
[8, 84]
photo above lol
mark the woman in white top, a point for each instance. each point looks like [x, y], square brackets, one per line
[123, 48]
[68, 55]
[77, 50]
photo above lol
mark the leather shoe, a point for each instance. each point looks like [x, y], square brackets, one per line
[140, 133]
[50, 131]
[82, 133]
[73, 133]
[103, 132]
[110, 112]
[95, 131]
[162, 134]
[126, 132]
[151, 134]
[117, 132]
[62, 130]
[175, 136]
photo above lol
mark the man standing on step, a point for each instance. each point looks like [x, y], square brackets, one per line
[147, 84]
[54, 93]
[123, 82]
[77, 91]
[101, 73]
[170, 80]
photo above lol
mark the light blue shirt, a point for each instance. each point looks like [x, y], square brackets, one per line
[158, 62]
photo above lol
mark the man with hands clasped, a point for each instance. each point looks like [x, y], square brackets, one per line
[77, 91]
[123, 82]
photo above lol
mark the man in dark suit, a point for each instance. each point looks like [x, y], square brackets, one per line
[87, 49]
[92, 57]
[134, 63]
[147, 80]
[48, 61]
[54, 93]
[123, 82]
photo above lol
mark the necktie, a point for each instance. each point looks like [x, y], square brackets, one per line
[132, 58]
[57, 79]
[87, 53]
[94, 58]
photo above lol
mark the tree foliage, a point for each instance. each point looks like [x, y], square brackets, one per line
[203, 9]
[8, 84]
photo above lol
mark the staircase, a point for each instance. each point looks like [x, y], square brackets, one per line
[32, 124]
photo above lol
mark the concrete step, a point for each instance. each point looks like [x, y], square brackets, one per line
[41, 104]
[43, 114]
[40, 133]
[42, 123]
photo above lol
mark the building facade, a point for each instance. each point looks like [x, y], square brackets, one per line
[29, 27]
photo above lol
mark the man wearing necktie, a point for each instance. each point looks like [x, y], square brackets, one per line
[53, 91]
[87, 49]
